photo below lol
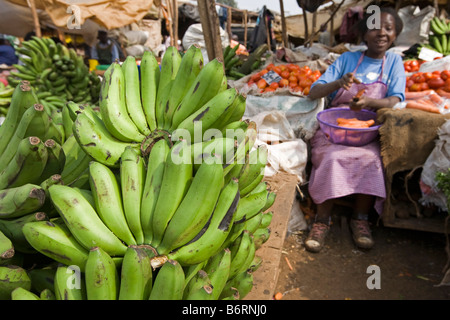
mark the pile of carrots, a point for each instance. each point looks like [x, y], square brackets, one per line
[354, 123]
[428, 102]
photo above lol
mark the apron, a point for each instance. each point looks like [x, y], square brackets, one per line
[339, 170]
[376, 90]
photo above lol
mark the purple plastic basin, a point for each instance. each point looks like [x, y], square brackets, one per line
[347, 136]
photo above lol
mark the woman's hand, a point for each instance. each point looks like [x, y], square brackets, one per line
[361, 103]
[347, 80]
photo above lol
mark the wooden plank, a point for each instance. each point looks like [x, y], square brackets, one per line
[266, 277]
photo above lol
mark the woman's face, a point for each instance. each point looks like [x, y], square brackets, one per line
[379, 40]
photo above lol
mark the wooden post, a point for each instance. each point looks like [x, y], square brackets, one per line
[229, 16]
[169, 24]
[245, 28]
[215, 30]
[305, 20]
[211, 29]
[37, 25]
[175, 22]
[283, 25]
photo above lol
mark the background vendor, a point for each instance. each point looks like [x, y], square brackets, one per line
[105, 51]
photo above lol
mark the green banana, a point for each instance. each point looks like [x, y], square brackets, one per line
[55, 241]
[102, 279]
[97, 142]
[253, 171]
[136, 275]
[195, 209]
[260, 236]
[77, 161]
[150, 74]
[12, 277]
[42, 278]
[19, 201]
[178, 171]
[23, 294]
[207, 243]
[6, 247]
[190, 66]
[266, 219]
[169, 282]
[191, 271]
[251, 205]
[55, 161]
[170, 63]
[195, 125]
[132, 179]
[133, 95]
[230, 294]
[243, 283]
[232, 114]
[253, 223]
[152, 185]
[199, 287]
[83, 221]
[220, 150]
[218, 270]
[271, 197]
[207, 85]
[108, 201]
[240, 250]
[113, 107]
[68, 284]
[20, 133]
[436, 44]
[47, 294]
[12, 228]
[27, 164]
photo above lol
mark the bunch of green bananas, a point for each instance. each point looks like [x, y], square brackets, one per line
[183, 97]
[174, 217]
[34, 155]
[439, 40]
[6, 92]
[144, 210]
[57, 73]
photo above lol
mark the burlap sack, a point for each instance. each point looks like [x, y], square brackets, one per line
[407, 138]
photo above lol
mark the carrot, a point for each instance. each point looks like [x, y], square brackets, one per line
[443, 93]
[436, 98]
[418, 94]
[355, 123]
[427, 102]
[344, 120]
[358, 95]
[421, 106]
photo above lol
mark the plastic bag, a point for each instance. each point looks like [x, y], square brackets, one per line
[438, 160]
[430, 98]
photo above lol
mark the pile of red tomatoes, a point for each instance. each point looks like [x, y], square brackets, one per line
[412, 65]
[421, 81]
[293, 77]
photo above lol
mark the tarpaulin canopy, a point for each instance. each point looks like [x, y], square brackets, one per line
[77, 16]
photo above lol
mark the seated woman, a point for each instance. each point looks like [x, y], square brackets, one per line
[337, 170]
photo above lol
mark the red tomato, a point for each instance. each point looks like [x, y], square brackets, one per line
[415, 87]
[424, 86]
[285, 74]
[262, 84]
[418, 77]
[436, 83]
[274, 85]
[427, 75]
[445, 74]
[283, 83]
[409, 83]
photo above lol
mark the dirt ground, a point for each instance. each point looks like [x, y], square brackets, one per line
[409, 265]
